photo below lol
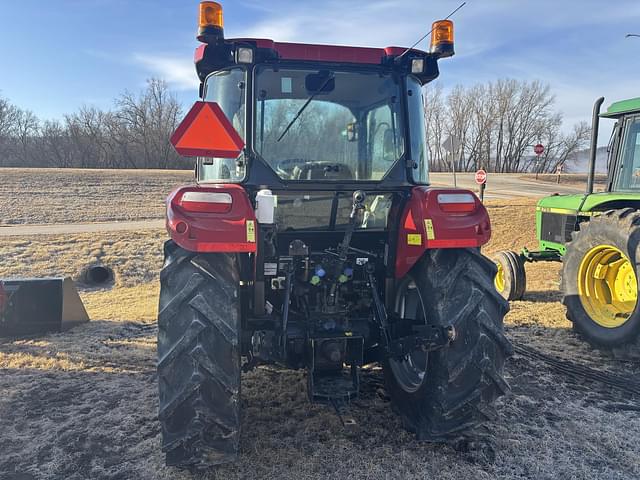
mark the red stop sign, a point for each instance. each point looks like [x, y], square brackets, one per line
[481, 177]
[539, 149]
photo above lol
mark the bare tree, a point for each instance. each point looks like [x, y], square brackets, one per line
[54, 144]
[149, 119]
[435, 121]
[561, 148]
[26, 129]
[497, 124]
[134, 134]
[8, 120]
[493, 125]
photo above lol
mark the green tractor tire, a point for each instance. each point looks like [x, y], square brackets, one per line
[511, 279]
[599, 281]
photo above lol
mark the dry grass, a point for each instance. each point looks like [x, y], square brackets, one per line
[135, 257]
[79, 196]
[83, 404]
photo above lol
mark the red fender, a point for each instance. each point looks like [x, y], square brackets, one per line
[212, 218]
[439, 218]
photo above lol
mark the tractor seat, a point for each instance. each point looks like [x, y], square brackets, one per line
[322, 171]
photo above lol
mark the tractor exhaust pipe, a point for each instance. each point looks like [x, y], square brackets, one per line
[595, 125]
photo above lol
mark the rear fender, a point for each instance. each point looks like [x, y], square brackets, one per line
[205, 229]
[425, 225]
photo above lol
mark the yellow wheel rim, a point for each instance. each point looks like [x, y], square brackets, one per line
[499, 278]
[607, 286]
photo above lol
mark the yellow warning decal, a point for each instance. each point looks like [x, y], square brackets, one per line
[414, 239]
[567, 211]
[251, 231]
[428, 226]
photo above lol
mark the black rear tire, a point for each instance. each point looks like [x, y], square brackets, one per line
[199, 358]
[514, 277]
[460, 383]
[615, 228]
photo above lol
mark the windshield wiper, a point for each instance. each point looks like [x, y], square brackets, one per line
[304, 107]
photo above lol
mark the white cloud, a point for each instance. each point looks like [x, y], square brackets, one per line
[375, 23]
[577, 46]
[179, 73]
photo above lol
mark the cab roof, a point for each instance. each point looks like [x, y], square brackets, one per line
[617, 109]
[327, 53]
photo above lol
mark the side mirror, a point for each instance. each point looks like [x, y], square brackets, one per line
[388, 146]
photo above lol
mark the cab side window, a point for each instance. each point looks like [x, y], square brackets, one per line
[382, 139]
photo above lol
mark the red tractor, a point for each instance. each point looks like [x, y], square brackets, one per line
[313, 240]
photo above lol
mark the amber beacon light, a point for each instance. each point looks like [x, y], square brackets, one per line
[442, 38]
[211, 24]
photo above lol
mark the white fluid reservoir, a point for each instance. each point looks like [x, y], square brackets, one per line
[265, 206]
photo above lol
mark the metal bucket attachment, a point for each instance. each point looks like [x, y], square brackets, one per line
[35, 306]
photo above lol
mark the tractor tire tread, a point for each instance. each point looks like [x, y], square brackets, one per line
[465, 379]
[514, 272]
[199, 358]
[602, 228]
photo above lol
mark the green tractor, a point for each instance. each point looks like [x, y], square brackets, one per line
[596, 236]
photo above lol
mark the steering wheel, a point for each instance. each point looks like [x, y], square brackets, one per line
[284, 168]
[322, 171]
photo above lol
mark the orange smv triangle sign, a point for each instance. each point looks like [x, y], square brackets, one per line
[207, 132]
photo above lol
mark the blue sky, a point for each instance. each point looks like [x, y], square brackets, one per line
[59, 55]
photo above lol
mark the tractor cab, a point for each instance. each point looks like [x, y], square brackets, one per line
[624, 147]
[314, 124]
[313, 116]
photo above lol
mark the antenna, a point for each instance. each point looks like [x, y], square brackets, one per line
[429, 32]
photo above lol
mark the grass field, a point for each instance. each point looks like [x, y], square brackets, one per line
[83, 404]
[79, 196]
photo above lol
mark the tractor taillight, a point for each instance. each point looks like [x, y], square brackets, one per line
[206, 202]
[457, 202]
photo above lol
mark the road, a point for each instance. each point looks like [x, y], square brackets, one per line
[505, 185]
[499, 186]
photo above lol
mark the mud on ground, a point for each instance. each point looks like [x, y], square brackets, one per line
[83, 404]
